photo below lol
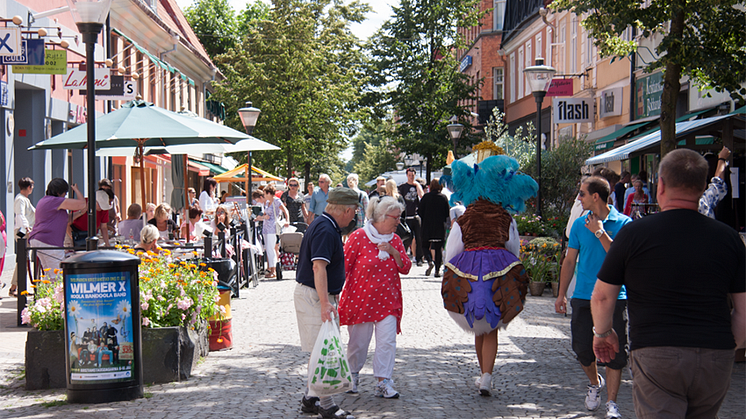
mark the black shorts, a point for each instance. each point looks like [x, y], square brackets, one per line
[582, 333]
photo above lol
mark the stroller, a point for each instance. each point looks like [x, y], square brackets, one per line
[290, 241]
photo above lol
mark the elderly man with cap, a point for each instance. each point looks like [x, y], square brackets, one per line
[320, 276]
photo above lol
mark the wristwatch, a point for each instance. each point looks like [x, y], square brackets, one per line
[602, 335]
[600, 232]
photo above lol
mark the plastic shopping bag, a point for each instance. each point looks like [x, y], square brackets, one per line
[328, 370]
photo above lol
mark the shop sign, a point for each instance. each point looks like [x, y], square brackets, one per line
[465, 63]
[77, 79]
[561, 87]
[32, 53]
[648, 100]
[10, 42]
[572, 110]
[121, 89]
[4, 94]
[611, 103]
[55, 62]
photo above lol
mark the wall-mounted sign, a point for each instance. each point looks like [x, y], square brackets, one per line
[648, 100]
[465, 63]
[10, 41]
[32, 53]
[121, 89]
[561, 87]
[55, 62]
[77, 79]
[572, 110]
[611, 102]
[4, 94]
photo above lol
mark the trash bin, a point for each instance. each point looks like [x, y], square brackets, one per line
[102, 327]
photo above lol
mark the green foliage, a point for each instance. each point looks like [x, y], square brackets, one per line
[373, 151]
[415, 74]
[705, 40]
[541, 258]
[560, 173]
[49, 299]
[303, 68]
[214, 22]
[518, 146]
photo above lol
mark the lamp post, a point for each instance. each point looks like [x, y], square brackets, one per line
[455, 130]
[89, 16]
[539, 78]
[249, 114]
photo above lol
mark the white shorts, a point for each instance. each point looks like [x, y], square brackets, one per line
[308, 314]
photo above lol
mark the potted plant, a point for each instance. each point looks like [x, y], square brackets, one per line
[540, 257]
[176, 297]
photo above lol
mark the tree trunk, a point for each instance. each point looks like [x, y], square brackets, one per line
[671, 84]
[429, 158]
[307, 174]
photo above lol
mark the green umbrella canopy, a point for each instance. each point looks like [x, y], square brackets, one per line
[142, 121]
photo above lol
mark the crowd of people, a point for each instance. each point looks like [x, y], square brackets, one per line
[632, 277]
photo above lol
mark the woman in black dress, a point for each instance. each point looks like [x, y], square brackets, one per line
[433, 211]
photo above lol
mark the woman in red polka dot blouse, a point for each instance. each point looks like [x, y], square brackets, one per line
[371, 299]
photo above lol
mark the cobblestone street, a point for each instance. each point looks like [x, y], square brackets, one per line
[536, 375]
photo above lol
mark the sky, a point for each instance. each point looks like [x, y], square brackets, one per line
[381, 12]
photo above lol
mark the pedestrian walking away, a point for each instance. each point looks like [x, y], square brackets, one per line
[590, 238]
[320, 277]
[372, 298]
[484, 285]
[680, 269]
[434, 211]
[412, 191]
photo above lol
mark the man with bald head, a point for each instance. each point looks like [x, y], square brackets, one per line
[680, 269]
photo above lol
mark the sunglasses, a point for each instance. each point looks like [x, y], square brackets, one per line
[293, 185]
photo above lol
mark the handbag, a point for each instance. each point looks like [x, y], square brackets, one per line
[403, 231]
[279, 225]
[328, 371]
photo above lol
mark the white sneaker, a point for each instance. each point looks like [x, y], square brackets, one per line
[612, 411]
[355, 382]
[386, 390]
[593, 399]
[485, 384]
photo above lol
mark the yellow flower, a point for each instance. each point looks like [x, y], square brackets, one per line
[24, 292]
[202, 264]
[57, 271]
[166, 252]
[131, 251]
[195, 253]
[171, 265]
[36, 280]
[46, 282]
[140, 253]
[47, 269]
[118, 246]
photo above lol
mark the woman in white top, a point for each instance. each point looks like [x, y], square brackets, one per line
[207, 200]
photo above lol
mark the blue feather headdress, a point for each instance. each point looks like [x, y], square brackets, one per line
[495, 179]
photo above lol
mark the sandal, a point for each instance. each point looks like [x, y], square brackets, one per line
[269, 276]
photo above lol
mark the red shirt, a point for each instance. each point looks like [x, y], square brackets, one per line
[372, 287]
[81, 223]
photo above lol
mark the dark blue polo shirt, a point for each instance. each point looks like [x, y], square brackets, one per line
[322, 240]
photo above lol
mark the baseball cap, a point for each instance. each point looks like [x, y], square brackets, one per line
[343, 196]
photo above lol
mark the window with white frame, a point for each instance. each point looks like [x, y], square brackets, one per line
[539, 46]
[513, 93]
[548, 55]
[521, 61]
[562, 41]
[497, 78]
[498, 14]
[529, 63]
[574, 47]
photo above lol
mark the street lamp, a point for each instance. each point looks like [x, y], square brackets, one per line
[89, 16]
[249, 114]
[539, 78]
[455, 130]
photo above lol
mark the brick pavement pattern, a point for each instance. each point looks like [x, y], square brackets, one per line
[536, 374]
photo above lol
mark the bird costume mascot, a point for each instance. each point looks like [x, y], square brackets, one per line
[484, 285]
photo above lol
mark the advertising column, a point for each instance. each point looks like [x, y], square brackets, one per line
[102, 327]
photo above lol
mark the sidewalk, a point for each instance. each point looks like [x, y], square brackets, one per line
[536, 374]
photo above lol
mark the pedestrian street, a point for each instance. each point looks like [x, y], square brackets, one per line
[536, 374]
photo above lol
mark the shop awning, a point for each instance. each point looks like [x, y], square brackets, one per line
[651, 139]
[160, 63]
[215, 169]
[238, 174]
[693, 114]
[194, 167]
[606, 142]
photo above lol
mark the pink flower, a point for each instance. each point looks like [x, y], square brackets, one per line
[144, 305]
[59, 293]
[145, 321]
[184, 304]
[25, 316]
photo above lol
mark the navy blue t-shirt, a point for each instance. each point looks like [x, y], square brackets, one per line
[322, 240]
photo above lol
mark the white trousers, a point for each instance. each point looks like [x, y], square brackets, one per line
[270, 240]
[385, 354]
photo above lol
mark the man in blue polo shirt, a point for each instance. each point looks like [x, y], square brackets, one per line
[590, 238]
[319, 197]
[321, 276]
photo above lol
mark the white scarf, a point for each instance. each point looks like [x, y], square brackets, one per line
[377, 238]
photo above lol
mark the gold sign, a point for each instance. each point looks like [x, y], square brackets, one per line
[55, 62]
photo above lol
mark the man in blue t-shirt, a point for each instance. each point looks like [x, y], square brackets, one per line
[321, 276]
[590, 238]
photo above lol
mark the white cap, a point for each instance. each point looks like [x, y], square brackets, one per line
[102, 198]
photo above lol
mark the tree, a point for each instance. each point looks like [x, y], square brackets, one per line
[373, 151]
[415, 73]
[214, 22]
[303, 68]
[705, 40]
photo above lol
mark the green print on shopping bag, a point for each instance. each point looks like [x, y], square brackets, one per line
[330, 371]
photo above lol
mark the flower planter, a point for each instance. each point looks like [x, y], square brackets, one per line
[555, 289]
[168, 354]
[536, 288]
